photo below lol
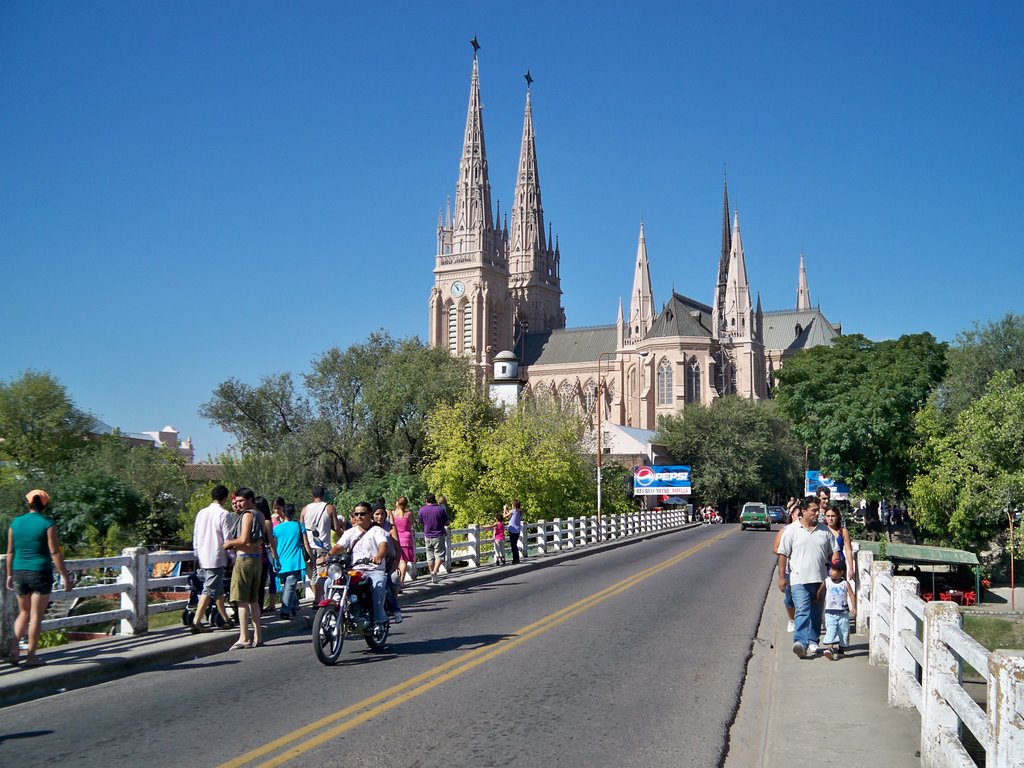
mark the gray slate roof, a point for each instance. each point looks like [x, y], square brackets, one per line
[682, 316]
[780, 329]
[570, 345]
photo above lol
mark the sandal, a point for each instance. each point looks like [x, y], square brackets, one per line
[34, 661]
[240, 646]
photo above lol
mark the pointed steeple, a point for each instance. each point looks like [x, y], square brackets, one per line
[723, 257]
[803, 294]
[737, 315]
[473, 192]
[641, 301]
[527, 233]
[534, 274]
[620, 327]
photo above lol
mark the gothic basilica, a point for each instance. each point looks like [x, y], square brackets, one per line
[497, 288]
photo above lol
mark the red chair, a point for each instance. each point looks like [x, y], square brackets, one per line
[927, 596]
[944, 596]
[970, 598]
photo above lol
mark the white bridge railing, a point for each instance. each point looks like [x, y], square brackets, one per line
[926, 649]
[470, 547]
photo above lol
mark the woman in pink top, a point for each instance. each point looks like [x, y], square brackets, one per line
[401, 519]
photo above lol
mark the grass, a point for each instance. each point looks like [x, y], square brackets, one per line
[994, 632]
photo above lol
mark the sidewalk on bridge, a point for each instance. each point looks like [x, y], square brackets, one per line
[810, 712]
[81, 664]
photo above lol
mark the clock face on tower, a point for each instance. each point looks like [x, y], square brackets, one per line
[458, 289]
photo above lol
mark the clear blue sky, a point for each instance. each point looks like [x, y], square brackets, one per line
[193, 191]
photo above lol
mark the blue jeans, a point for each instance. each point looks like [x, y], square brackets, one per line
[290, 591]
[837, 628]
[808, 613]
[378, 583]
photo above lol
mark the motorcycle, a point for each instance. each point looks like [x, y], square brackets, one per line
[347, 608]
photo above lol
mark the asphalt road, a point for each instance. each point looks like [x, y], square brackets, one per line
[631, 657]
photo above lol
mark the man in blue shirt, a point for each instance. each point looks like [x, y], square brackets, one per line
[434, 518]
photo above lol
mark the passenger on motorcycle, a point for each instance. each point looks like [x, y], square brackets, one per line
[367, 541]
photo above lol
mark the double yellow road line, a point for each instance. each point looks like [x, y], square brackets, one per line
[303, 740]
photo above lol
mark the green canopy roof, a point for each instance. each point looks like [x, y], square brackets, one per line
[918, 553]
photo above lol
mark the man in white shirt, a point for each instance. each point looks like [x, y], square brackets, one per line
[367, 542]
[806, 547]
[212, 528]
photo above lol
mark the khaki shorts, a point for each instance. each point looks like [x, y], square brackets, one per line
[245, 579]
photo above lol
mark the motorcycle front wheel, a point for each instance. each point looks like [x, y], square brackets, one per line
[328, 635]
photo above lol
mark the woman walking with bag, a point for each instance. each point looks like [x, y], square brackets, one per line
[33, 549]
[401, 518]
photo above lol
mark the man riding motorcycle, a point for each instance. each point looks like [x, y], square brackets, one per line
[367, 541]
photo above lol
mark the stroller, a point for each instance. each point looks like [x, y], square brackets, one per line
[188, 614]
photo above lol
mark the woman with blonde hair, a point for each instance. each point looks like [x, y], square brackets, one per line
[33, 550]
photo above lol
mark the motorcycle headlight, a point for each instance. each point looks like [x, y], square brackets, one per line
[334, 572]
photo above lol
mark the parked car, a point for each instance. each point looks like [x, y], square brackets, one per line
[777, 514]
[755, 515]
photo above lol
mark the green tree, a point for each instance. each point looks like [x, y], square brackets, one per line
[971, 473]
[259, 417]
[975, 356]
[454, 462]
[853, 404]
[89, 505]
[40, 427]
[738, 449]
[480, 457]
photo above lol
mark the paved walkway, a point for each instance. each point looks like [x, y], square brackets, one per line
[804, 713]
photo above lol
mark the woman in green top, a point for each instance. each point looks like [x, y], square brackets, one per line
[32, 551]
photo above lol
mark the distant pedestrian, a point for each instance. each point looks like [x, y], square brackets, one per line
[401, 518]
[499, 538]
[211, 529]
[514, 527]
[319, 519]
[806, 550]
[289, 543]
[246, 539]
[434, 519]
[840, 605]
[33, 549]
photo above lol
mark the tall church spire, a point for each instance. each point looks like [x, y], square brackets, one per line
[534, 264]
[641, 302]
[473, 192]
[527, 233]
[803, 294]
[738, 315]
[723, 257]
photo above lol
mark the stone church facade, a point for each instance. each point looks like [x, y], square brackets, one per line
[497, 287]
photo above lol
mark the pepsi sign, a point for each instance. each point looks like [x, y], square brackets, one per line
[661, 481]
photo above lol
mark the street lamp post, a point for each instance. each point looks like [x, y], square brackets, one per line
[599, 404]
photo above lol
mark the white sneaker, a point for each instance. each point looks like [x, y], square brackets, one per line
[799, 650]
[397, 618]
[791, 626]
[812, 648]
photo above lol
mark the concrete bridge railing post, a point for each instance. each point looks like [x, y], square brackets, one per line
[136, 576]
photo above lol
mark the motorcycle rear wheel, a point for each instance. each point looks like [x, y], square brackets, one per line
[375, 643]
[328, 635]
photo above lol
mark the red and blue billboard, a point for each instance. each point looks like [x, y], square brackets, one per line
[661, 481]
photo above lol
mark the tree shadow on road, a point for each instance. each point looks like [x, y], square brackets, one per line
[440, 645]
[23, 735]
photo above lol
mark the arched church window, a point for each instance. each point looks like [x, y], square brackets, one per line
[798, 330]
[567, 396]
[664, 382]
[467, 327]
[693, 382]
[453, 329]
[589, 396]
